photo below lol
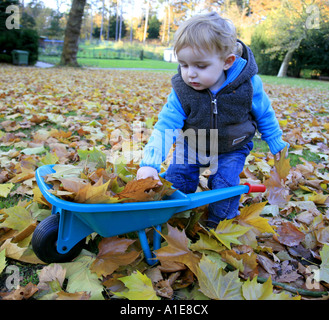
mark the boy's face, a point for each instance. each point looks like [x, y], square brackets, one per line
[202, 69]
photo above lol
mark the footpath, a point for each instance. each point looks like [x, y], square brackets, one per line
[40, 64]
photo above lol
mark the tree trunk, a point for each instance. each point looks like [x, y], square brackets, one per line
[285, 63]
[168, 23]
[72, 33]
[102, 22]
[146, 20]
[287, 58]
[117, 22]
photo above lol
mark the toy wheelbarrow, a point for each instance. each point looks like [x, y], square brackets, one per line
[60, 237]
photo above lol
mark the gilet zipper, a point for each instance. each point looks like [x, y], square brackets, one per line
[214, 111]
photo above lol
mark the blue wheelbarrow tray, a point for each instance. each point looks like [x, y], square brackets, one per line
[78, 220]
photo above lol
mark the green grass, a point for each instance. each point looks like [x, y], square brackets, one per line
[261, 146]
[307, 155]
[116, 63]
[296, 82]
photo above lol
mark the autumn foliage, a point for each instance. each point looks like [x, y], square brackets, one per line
[84, 122]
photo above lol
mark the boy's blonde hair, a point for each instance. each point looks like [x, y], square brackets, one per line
[207, 32]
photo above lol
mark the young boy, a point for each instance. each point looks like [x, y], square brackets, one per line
[216, 103]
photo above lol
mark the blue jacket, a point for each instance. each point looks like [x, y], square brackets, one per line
[172, 117]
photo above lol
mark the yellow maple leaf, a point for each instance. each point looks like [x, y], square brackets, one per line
[139, 287]
[206, 242]
[283, 122]
[216, 284]
[319, 198]
[227, 232]
[256, 291]
[38, 197]
[5, 188]
[282, 165]
[17, 218]
[249, 216]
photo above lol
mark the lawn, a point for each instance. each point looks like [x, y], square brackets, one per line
[296, 82]
[55, 115]
[116, 63]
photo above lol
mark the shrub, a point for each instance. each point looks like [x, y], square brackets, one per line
[267, 59]
[19, 39]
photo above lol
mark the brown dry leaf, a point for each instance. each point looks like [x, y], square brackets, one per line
[286, 273]
[24, 175]
[288, 234]
[96, 193]
[279, 193]
[164, 289]
[171, 266]
[38, 118]
[246, 263]
[139, 190]
[51, 277]
[21, 292]
[112, 254]
[322, 234]
[268, 264]
[177, 249]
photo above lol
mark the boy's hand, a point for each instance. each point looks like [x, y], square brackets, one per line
[283, 153]
[148, 172]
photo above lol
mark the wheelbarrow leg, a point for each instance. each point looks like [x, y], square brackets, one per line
[149, 256]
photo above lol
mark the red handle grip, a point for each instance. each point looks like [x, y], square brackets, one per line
[255, 187]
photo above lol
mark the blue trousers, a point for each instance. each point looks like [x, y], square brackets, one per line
[184, 176]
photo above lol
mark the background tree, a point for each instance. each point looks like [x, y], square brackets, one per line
[72, 33]
[280, 31]
[16, 39]
[153, 27]
[313, 53]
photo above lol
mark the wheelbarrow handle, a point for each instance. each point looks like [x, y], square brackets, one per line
[201, 198]
[255, 187]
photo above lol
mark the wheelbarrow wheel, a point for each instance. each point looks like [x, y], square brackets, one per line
[44, 242]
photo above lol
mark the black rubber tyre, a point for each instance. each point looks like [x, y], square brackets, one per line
[44, 242]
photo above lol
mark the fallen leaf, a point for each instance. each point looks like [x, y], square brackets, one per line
[112, 254]
[5, 189]
[21, 292]
[324, 266]
[250, 216]
[228, 232]
[289, 235]
[177, 249]
[246, 263]
[216, 284]
[139, 287]
[256, 291]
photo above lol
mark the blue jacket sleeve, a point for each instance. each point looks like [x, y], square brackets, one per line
[170, 119]
[267, 124]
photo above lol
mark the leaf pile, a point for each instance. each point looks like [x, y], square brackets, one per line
[95, 181]
[277, 248]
